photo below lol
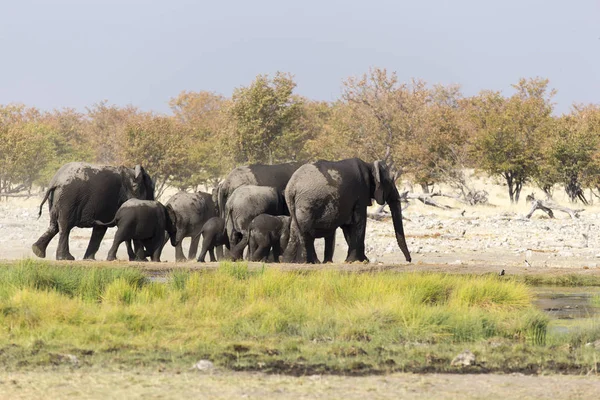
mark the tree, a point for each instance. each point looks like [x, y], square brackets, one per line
[25, 146]
[574, 150]
[158, 143]
[264, 117]
[106, 131]
[510, 131]
[204, 116]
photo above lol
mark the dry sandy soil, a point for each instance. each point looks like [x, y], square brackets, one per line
[465, 238]
[241, 385]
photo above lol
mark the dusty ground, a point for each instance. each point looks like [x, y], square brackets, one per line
[227, 385]
[464, 238]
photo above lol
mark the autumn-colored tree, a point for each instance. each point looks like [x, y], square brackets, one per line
[25, 146]
[264, 120]
[574, 150]
[158, 143]
[510, 131]
[106, 131]
[204, 116]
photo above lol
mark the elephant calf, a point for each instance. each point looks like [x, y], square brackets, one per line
[246, 203]
[144, 222]
[266, 232]
[192, 211]
[214, 235]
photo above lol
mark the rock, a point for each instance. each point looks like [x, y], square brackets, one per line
[203, 365]
[64, 358]
[457, 262]
[464, 359]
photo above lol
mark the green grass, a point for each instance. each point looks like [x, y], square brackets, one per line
[241, 318]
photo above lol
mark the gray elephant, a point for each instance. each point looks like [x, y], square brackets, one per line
[80, 193]
[144, 222]
[266, 232]
[276, 176]
[325, 195]
[214, 236]
[246, 203]
[192, 211]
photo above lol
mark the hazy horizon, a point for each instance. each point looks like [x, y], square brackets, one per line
[77, 53]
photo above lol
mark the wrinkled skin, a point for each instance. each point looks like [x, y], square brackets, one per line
[325, 195]
[246, 203]
[266, 232]
[192, 211]
[144, 222]
[276, 176]
[80, 193]
[214, 236]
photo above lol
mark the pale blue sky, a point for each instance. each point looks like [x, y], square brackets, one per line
[77, 52]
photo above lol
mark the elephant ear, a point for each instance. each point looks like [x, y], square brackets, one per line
[378, 175]
[171, 219]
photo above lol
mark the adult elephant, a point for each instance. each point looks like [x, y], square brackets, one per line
[192, 211]
[81, 193]
[276, 176]
[246, 203]
[325, 195]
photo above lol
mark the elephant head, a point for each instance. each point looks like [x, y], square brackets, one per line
[143, 185]
[171, 224]
[385, 191]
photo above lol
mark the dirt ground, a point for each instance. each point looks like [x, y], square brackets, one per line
[464, 238]
[228, 385]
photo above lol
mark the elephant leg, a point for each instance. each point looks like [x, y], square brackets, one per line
[62, 251]
[179, 257]
[112, 253]
[140, 252]
[311, 254]
[355, 237]
[276, 251]
[329, 248]
[153, 248]
[219, 252]
[194, 247]
[39, 247]
[97, 234]
[130, 252]
[206, 245]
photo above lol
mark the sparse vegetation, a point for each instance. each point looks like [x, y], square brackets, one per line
[268, 319]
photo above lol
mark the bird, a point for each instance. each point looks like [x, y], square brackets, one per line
[501, 273]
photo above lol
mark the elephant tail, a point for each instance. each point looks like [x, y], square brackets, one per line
[109, 224]
[48, 196]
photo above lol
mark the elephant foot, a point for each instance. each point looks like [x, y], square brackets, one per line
[67, 257]
[38, 251]
[181, 259]
[90, 257]
[353, 258]
[111, 258]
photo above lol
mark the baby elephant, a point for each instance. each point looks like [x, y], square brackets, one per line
[267, 232]
[144, 222]
[213, 235]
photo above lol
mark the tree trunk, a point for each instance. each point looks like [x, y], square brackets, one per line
[509, 181]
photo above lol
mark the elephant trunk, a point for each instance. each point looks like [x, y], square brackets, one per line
[396, 209]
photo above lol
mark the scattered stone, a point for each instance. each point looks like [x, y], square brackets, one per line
[203, 365]
[64, 359]
[464, 359]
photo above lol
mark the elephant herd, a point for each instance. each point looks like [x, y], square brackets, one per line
[274, 210]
